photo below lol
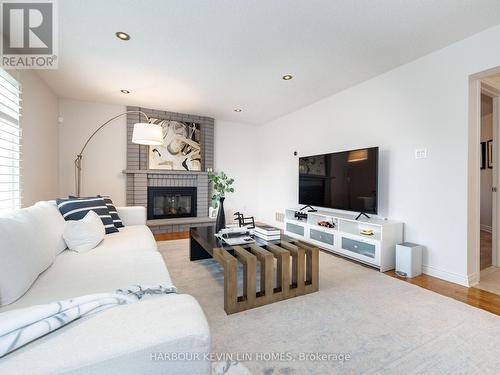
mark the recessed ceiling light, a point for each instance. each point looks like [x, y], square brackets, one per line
[287, 77]
[125, 91]
[122, 35]
[237, 110]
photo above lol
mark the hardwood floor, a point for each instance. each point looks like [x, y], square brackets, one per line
[471, 296]
[171, 236]
[485, 257]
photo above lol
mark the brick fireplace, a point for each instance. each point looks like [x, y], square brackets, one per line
[141, 180]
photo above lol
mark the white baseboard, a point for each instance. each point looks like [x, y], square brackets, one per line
[445, 275]
[473, 279]
[486, 228]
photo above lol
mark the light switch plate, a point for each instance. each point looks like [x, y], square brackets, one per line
[420, 153]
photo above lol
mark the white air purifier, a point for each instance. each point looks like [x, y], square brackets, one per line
[408, 259]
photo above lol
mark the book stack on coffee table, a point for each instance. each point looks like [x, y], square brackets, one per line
[267, 232]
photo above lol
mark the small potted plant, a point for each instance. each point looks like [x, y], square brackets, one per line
[221, 184]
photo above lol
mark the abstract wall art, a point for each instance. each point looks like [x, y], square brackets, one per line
[181, 150]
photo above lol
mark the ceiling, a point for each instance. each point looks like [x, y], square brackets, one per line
[210, 57]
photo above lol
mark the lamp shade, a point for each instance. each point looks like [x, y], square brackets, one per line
[147, 134]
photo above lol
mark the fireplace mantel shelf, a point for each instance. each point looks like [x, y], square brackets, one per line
[181, 221]
[160, 171]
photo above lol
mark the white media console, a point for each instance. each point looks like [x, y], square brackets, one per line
[345, 238]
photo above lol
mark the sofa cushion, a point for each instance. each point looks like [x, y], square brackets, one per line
[53, 225]
[28, 239]
[77, 208]
[84, 235]
[76, 274]
[121, 340]
[136, 238]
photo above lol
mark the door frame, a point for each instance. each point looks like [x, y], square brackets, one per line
[473, 178]
[494, 94]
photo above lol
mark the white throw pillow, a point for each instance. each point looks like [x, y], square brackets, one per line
[85, 234]
[26, 250]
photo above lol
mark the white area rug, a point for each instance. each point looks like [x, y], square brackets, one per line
[385, 325]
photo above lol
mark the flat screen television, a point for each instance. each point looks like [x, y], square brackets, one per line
[341, 180]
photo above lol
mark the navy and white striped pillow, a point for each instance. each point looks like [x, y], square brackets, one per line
[77, 208]
[112, 211]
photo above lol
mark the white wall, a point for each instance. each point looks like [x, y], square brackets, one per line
[235, 154]
[39, 173]
[487, 173]
[423, 104]
[104, 158]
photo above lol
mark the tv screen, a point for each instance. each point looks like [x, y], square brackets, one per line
[341, 180]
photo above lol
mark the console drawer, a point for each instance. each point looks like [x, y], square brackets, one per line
[362, 248]
[294, 228]
[320, 236]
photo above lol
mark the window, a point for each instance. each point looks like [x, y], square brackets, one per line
[10, 142]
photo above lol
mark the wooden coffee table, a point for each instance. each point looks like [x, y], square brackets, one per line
[292, 264]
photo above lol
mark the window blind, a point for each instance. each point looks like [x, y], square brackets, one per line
[10, 142]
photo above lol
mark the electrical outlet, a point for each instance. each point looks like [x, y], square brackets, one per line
[420, 153]
[279, 217]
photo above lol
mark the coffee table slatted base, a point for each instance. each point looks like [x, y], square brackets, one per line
[301, 258]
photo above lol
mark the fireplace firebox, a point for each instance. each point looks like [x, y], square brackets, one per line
[171, 202]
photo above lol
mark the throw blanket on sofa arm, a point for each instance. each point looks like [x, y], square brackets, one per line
[22, 326]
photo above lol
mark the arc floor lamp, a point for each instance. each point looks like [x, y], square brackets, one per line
[144, 133]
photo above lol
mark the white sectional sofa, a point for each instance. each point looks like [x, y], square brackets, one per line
[122, 340]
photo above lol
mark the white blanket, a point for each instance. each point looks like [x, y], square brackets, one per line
[19, 327]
